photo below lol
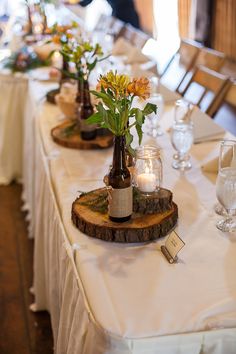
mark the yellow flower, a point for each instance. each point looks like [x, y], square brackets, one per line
[117, 83]
[139, 87]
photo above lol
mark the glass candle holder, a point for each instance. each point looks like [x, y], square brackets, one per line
[148, 169]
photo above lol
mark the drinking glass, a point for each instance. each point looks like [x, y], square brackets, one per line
[182, 135]
[153, 127]
[219, 209]
[226, 185]
[182, 112]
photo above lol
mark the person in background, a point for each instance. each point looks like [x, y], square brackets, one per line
[122, 9]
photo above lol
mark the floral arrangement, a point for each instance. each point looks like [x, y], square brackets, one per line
[84, 55]
[23, 61]
[115, 109]
[61, 34]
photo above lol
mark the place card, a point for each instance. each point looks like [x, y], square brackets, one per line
[172, 247]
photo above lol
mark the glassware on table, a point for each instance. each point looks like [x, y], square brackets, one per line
[219, 209]
[148, 169]
[182, 112]
[153, 125]
[182, 135]
[226, 185]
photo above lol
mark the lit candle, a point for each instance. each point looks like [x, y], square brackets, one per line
[38, 28]
[147, 182]
[57, 59]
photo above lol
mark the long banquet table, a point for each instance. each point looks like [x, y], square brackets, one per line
[125, 298]
[106, 298]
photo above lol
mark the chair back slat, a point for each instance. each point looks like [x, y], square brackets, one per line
[180, 64]
[210, 58]
[133, 35]
[227, 96]
[210, 81]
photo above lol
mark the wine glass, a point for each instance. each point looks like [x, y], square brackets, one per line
[153, 126]
[226, 184]
[182, 135]
[182, 112]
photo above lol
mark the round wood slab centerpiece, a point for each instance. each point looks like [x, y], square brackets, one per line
[52, 94]
[67, 134]
[89, 215]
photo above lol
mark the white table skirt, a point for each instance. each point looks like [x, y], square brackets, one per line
[13, 97]
[112, 298]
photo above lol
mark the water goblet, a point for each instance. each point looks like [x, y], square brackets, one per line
[182, 112]
[226, 185]
[153, 119]
[182, 139]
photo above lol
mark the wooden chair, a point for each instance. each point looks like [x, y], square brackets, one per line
[133, 35]
[205, 85]
[223, 107]
[207, 57]
[180, 64]
[109, 24]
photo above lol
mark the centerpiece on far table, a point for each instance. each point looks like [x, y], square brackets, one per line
[115, 112]
[75, 133]
[62, 35]
[85, 57]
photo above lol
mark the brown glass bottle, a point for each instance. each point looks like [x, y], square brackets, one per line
[120, 195]
[30, 25]
[87, 132]
[65, 69]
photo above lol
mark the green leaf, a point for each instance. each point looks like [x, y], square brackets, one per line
[91, 66]
[95, 118]
[128, 138]
[139, 117]
[149, 108]
[139, 132]
[105, 98]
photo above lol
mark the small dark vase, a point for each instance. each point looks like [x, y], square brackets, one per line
[65, 69]
[85, 110]
[30, 25]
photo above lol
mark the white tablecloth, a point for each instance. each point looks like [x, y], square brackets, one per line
[13, 97]
[116, 298]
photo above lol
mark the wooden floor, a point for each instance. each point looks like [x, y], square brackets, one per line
[21, 331]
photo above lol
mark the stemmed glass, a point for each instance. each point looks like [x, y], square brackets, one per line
[182, 135]
[154, 128]
[226, 184]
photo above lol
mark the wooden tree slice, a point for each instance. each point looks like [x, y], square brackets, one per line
[141, 228]
[154, 203]
[73, 139]
[52, 94]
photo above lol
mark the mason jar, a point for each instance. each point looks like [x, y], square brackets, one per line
[148, 169]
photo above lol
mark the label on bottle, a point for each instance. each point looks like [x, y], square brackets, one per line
[84, 127]
[120, 202]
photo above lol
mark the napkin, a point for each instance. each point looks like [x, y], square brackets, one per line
[205, 129]
[211, 166]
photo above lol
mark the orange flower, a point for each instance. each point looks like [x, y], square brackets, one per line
[48, 30]
[139, 87]
[102, 83]
[56, 39]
